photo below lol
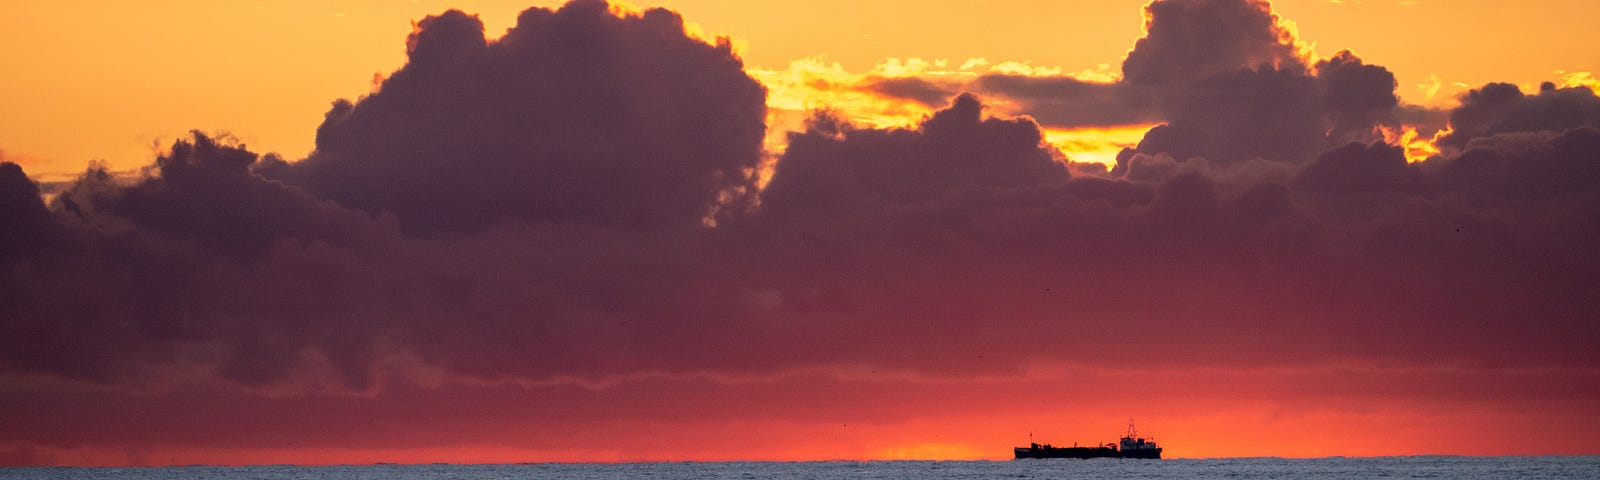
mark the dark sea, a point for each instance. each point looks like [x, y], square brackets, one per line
[1441, 467]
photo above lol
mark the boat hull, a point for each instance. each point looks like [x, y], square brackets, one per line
[1086, 452]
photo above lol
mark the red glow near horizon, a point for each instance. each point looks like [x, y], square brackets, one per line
[1210, 414]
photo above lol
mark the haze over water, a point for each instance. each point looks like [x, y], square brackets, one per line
[1446, 467]
[579, 231]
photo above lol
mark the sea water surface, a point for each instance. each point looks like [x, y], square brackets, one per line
[1441, 467]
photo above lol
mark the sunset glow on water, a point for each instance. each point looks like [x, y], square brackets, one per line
[491, 232]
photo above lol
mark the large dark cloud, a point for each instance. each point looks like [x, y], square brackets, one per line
[966, 222]
[203, 190]
[1357, 168]
[1356, 95]
[1193, 51]
[24, 222]
[868, 245]
[579, 120]
[1232, 86]
[841, 169]
[1503, 108]
[1543, 165]
[1206, 68]
[1187, 40]
[574, 115]
[201, 253]
[1243, 114]
[1188, 250]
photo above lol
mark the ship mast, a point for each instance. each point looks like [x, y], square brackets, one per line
[1131, 431]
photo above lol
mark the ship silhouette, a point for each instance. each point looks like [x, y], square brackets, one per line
[1131, 445]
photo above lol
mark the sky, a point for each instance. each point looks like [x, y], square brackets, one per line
[386, 231]
[141, 75]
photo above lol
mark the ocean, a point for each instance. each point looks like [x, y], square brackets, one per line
[1440, 467]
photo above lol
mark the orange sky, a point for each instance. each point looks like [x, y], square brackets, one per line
[119, 81]
[138, 74]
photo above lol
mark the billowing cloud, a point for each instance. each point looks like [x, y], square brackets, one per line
[270, 273]
[1356, 168]
[1541, 165]
[1235, 84]
[23, 214]
[841, 169]
[1228, 79]
[1187, 40]
[1503, 108]
[202, 262]
[575, 115]
[1357, 96]
[1243, 114]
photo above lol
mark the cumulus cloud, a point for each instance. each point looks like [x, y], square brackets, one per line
[186, 265]
[842, 169]
[267, 272]
[1187, 40]
[1356, 168]
[1234, 84]
[1504, 108]
[22, 212]
[574, 115]
[1544, 165]
[961, 220]
[1357, 96]
[1243, 114]
[1228, 78]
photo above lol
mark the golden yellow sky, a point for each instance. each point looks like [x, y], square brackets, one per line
[108, 80]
